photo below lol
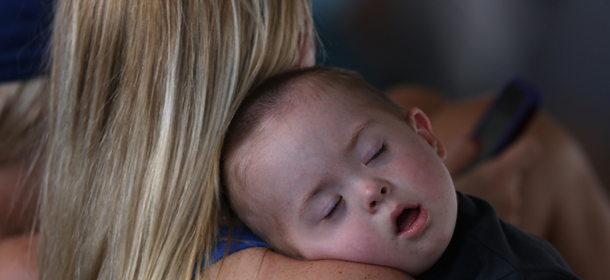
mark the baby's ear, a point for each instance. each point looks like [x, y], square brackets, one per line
[422, 126]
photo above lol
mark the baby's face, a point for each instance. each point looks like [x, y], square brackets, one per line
[354, 183]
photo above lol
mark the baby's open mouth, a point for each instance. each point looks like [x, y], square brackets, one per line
[406, 219]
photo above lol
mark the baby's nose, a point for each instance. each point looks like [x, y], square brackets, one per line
[374, 195]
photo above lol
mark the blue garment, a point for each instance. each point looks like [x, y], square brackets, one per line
[24, 35]
[241, 238]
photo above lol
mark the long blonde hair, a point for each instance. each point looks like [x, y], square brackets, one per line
[141, 95]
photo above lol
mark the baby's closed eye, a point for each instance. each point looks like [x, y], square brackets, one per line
[379, 151]
[334, 208]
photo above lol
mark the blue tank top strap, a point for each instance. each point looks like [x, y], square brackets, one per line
[241, 238]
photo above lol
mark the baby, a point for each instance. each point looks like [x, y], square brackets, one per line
[323, 166]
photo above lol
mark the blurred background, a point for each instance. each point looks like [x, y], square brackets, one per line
[465, 48]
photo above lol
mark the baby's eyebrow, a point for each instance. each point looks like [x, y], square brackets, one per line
[350, 147]
[311, 194]
[358, 131]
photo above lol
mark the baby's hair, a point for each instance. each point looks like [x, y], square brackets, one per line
[271, 100]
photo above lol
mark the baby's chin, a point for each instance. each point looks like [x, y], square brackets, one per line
[424, 261]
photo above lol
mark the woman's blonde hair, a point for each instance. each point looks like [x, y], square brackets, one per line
[142, 93]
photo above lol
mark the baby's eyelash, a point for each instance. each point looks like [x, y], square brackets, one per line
[378, 153]
[332, 211]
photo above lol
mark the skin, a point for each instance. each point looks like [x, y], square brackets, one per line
[17, 258]
[340, 201]
[18, 196]
[261, 263]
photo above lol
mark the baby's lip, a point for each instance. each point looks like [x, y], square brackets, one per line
[409, 220]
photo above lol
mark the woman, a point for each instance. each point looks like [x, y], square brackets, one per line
[141, 95]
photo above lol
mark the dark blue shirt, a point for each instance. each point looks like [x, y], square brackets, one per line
[485, 247]
[24, 35]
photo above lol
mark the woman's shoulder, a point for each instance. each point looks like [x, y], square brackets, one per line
[248, 255]
[262, 263]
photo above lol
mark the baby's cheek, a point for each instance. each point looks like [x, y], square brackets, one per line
[358, 243]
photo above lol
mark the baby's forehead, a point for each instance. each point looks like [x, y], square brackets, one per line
[308, 92]
[294, 132]
[308, 89]
[354, 90]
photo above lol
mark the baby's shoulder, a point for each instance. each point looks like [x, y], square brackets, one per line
[486, 247]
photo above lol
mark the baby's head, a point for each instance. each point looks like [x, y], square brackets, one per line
[323, 166]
